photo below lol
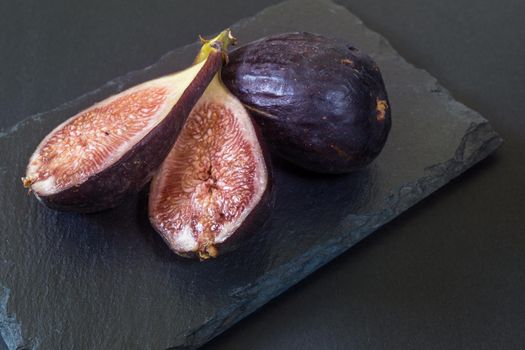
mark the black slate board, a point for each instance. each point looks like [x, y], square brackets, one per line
[107, 280]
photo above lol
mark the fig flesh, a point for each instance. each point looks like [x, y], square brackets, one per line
[97, 157]
[214, 180]
[320, 104]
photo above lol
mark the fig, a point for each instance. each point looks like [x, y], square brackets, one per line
[96, 158]
[215, 183]
[320, 104]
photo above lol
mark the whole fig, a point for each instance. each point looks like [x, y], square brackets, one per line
[320, 104]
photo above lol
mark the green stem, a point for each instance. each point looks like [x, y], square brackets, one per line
[218, 44]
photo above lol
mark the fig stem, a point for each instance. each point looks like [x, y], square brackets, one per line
[220, 43]
[209, 251]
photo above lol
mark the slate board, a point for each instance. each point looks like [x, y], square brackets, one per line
[107, 280]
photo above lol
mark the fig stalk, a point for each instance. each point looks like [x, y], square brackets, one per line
[220, 43]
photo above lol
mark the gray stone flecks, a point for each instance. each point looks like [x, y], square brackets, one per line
[132, 292]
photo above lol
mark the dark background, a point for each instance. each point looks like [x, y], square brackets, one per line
[449, 274]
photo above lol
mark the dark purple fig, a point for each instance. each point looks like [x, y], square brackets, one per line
[215, 182]
[320, 104]
[97, 157]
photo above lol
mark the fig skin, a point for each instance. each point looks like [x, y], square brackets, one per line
[135, 168]
[321, 105]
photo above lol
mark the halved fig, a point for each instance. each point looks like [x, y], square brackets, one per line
[215, 181]
[97, 157]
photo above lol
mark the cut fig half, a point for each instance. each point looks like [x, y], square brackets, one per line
[97, 157]
[214, 179]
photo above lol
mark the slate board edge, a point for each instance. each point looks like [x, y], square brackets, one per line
[321, 255]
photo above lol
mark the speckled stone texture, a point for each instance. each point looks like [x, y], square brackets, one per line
[108, 281]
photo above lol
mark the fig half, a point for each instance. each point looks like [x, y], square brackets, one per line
[320, 104]
[97, 157]
[215, 180]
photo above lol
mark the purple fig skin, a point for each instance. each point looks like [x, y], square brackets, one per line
[137, 166]
[321, 105]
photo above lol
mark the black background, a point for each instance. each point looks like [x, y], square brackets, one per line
[449, 274]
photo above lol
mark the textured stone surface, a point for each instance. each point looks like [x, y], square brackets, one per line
[9, 327]
[108, 281]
